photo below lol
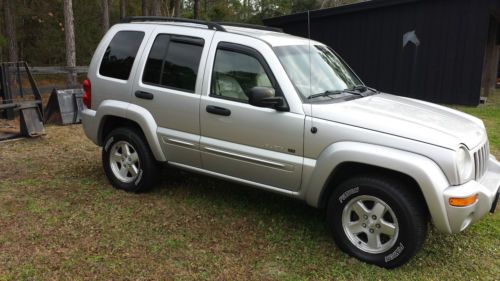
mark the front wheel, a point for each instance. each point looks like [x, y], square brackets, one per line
[376, 220]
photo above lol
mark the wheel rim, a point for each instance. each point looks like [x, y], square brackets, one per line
[124, 161]
[370, 224]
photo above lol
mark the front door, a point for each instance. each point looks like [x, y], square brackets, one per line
[255, 144]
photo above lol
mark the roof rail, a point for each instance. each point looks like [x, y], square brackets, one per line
[210, 25]
[253, 26]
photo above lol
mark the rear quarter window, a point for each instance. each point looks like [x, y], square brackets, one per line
[120, 54]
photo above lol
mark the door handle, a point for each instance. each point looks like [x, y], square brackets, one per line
[144, 95]
[218, 110]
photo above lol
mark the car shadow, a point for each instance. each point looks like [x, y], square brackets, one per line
[239, 198]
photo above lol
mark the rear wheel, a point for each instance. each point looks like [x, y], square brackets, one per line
[128, 161]
[376, 220]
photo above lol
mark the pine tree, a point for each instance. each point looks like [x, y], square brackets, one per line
[10, 31]
[105, 15]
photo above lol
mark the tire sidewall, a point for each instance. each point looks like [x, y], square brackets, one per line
[124, 134]
[402, 249]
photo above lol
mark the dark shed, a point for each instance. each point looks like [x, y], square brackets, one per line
[456, 52]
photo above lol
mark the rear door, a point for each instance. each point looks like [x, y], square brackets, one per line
[239, 140]
[169, 87]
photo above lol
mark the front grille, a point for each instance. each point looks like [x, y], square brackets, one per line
[481, 160]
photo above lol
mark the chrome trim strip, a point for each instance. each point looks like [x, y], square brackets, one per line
[184, 143]
[244, 157]
[481, 156]
[238, 180]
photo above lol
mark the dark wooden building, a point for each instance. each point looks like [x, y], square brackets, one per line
[444, 51]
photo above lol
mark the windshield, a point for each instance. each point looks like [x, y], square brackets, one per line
[328, 72]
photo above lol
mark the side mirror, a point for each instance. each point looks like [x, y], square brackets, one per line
[265, 97]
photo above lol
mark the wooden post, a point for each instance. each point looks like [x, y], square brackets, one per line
[69, 32]
[10, 30]
[490, 59]
[494, 69]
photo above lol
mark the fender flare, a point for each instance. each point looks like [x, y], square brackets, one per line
[423, 170]
[137, 114]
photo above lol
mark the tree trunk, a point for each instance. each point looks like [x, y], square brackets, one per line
[196, 12]
[69, 32]
[177, 9]
[144, 7]
[247, 9]
[155, 8]
[10, 30]
[105, 15]
[123, 6]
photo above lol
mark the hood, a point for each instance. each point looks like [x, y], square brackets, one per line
[405, 117]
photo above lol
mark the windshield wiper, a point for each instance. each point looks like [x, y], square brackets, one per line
[333, 93]
[362, 88]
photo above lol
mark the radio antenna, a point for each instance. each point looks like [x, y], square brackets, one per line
[309, 37]
[313, 129]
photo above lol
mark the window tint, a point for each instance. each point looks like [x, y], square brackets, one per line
[152, 71]
[173, 62]
[120, 54]
[235, 74]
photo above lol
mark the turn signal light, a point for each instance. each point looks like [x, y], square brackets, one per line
[463, 202]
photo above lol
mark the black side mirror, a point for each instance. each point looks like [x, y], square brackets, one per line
[265, 97]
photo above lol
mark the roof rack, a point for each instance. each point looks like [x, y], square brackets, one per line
[210, 25]
[253, 26]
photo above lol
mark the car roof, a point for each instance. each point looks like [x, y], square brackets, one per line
[272, 38]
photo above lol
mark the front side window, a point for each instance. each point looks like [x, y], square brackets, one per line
[315, 69]
[173, 62]
[235, 73]
[120, 54]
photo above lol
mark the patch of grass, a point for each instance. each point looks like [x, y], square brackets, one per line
[61, 220]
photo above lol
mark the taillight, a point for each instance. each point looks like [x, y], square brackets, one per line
[87, 93]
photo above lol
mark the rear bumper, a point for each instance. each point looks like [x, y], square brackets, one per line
[487, 189]
[90, 124]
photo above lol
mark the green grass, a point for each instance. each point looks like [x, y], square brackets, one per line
[61, 220]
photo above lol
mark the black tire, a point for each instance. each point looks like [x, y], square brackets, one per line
[148, 169]
[403, 202]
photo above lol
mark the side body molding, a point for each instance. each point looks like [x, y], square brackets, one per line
[134, 113]
[423, 170]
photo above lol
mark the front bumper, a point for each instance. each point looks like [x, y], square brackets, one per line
[486, 188]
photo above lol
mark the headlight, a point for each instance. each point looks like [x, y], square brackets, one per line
[465, 164]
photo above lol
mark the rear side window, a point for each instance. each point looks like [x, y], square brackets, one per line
[173, 62]
[120, 54]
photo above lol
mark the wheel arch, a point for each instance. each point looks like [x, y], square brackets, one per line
[347, 170]
[115, 114]
[110, 122]
[346, 159]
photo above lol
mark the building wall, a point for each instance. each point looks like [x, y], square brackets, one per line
[445, 68]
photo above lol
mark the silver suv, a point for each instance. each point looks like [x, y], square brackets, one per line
[287, 115]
